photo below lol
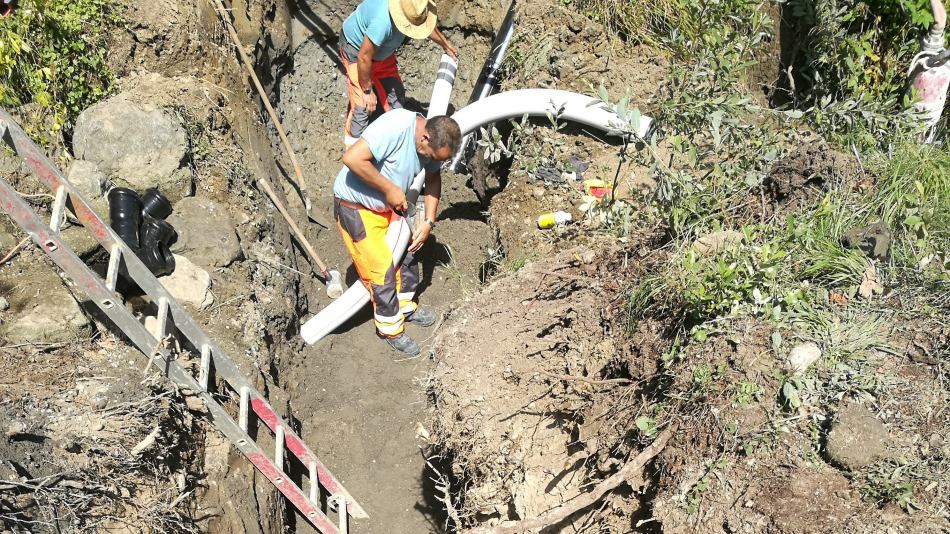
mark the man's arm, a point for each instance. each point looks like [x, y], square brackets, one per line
[440, 39]
[359, 159]
[433, 194]
[364, 62]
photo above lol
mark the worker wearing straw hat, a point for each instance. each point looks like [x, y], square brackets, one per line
[368, 42]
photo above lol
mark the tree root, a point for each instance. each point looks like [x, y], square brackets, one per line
[628, 471]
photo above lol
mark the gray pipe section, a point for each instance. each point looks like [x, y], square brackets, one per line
[488, 79]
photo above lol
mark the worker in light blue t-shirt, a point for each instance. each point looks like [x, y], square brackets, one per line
[368, 42]
[370, 194]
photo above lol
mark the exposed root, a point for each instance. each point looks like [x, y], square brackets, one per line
[630, 470]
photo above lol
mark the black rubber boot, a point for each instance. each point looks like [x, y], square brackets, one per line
[421, 317]
[403, 343]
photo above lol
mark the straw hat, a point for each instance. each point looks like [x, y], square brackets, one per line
[414, 18]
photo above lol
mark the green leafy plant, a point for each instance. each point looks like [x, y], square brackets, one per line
[850, 65]
[53, 56]
[890, 481]
[694, 497]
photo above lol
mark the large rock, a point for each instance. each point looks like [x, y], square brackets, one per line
[857, 438]
[91, 182]
[189, 284]
[56, 318]
[205, 232]
[79, 240]
[136, 145]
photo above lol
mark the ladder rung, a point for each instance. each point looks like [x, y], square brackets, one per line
[279, 448]
[205, 371]
[341, 510]
[162, 325]
[242, 411]
[112, 275]
[314, 483]
[59, 208]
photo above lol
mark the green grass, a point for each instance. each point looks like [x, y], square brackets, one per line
[641, 22]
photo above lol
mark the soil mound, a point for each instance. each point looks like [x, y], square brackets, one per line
[520, 415]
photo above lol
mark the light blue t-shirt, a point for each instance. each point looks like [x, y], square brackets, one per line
[392, 140]
[371, 18]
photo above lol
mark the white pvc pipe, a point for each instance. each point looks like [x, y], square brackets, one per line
[534, 102]
[442, 90]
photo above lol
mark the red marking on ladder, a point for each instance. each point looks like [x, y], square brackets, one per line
[300, 450]
[293, 493]
[89, 219]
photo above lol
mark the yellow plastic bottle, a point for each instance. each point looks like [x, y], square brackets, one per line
[555, 217]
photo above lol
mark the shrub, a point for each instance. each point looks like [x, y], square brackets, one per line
[53, 55]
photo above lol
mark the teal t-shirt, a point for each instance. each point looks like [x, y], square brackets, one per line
[392, 140]
[371, 18]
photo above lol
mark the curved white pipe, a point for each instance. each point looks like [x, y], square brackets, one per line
[534, 102]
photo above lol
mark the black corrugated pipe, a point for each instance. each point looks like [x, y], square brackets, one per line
[487, 81]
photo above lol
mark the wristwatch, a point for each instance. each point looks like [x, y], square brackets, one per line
[430, 221]
[368, 90]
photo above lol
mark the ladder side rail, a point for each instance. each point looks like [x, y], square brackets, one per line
[265, 412]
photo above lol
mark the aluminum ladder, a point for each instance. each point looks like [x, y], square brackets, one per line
[172, 318]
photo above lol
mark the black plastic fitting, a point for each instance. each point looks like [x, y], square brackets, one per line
[125, 215]
[155, 230]
[158, 258]
[156, 204]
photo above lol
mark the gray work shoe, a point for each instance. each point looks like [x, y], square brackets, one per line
[403, 343]
[421, 317]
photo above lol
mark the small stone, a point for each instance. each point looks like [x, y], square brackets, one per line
[189, 284]
[857, 438]
[98, 403]
[97, 427]
[57, 317]
[716, 241]
[4, 304]
[90, 182]
[749, 504]
[936, 441]
[802, 356]
[874, 240]
[15, 428]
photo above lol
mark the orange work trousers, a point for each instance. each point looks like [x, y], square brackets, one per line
[390, 91]
[391, 288]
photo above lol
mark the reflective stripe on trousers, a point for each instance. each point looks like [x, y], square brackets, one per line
[392, 289]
